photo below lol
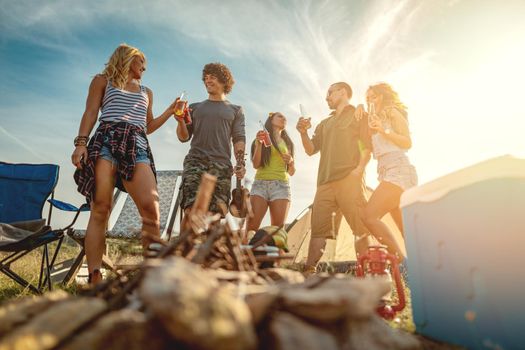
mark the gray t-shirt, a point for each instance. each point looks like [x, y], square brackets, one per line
[215, 125]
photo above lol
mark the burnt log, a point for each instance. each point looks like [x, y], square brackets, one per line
[49, 328]
[18, 312]
[195, 309]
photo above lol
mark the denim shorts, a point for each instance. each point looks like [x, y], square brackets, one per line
[105, 153]
[271, 190]
[396, 169]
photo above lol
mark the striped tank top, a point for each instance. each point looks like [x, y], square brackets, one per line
[125, 106]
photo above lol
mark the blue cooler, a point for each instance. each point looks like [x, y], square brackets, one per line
[465, 240]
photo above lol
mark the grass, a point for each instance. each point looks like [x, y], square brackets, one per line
[28, 267]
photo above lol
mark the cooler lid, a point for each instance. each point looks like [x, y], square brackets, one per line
[500, 167]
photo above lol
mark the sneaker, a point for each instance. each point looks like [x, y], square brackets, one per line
[153, 250]
[309, 270]
[95, 277]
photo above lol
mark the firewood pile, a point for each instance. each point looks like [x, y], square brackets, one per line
[203, 291]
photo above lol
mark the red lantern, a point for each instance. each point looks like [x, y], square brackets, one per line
[378, 262]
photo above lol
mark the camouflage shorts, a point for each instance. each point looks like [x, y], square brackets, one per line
[194, 167]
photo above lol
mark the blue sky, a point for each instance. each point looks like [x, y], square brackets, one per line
[456, 64]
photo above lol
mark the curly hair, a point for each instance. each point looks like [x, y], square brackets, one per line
[266, 151]
[222, 73]
[390, 97]
[117, 68]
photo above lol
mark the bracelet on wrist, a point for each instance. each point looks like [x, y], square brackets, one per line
[81, 141]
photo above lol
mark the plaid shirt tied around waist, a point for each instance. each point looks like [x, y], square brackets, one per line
[122, 143]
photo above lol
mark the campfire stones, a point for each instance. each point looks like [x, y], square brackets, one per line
[122, 330]
[47, 329]
[194, 308]
[20, 311]
[334, 299]
[290, 332]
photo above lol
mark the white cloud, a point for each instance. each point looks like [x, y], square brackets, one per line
[18, 143]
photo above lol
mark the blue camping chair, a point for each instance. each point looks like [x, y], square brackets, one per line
[24, 189]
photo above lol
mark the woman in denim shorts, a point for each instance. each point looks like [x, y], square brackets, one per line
[388, 123]
[118, 152]
[272, 155]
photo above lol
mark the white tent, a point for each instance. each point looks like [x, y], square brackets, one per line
[340, 249]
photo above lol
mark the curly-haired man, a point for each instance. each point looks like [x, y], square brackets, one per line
[215, 123]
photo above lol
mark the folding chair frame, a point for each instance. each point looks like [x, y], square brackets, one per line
[42, 238]
[45, 264]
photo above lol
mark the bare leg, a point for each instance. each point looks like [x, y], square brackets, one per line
[384, 199]
[143, 189]
[361, 244]
[259, 207]
[398, 219]
[279, 211]
[98, 219]
[315, 252]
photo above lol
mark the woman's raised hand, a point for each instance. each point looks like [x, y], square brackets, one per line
[261, 134]
[376, 125]
[171, 108]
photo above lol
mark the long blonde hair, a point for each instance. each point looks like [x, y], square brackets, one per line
[390, 97]
[117, 68]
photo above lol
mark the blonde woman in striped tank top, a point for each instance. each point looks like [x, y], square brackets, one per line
[118, 153]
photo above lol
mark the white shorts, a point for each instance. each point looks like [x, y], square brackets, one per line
[396, 168]
[271, 190]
